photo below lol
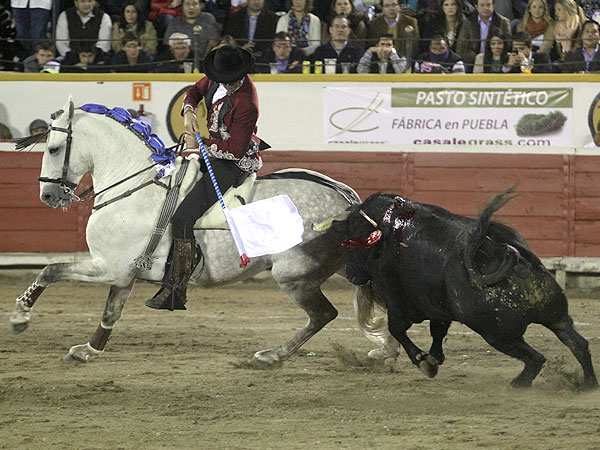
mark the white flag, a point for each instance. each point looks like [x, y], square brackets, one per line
[267, 226]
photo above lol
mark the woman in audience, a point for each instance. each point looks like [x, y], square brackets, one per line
[447, 22]
[303, 27]
[567, 27]
[132, 19]
[495, 56]
[358, 25]
[539, 25]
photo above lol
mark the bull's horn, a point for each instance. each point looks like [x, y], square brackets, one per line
[326, 224]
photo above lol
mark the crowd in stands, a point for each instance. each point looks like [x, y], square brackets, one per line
[303, 36]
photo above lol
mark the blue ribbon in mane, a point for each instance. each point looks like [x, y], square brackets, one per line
[161, 155]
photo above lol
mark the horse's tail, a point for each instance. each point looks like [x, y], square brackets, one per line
[370, 314]
[310, 175]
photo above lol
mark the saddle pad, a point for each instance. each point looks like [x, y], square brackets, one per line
[214, 217]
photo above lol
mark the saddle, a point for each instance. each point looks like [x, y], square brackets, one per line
[235, 196]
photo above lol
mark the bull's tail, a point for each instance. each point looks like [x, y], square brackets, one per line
[504, 260]
[371, 314]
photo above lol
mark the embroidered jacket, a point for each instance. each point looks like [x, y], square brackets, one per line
[231, 122]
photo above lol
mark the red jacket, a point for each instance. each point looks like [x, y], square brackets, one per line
[158, 7]
[231, 122]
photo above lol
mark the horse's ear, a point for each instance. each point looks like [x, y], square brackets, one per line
[71, 107]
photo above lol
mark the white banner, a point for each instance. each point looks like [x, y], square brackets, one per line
[473, 116]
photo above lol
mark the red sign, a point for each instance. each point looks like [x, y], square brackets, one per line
[142, 92]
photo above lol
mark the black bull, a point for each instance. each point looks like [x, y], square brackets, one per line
[422, 262]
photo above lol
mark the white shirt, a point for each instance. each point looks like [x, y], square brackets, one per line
[43, 4]
[62, 32]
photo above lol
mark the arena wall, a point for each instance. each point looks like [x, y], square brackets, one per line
[559, 185]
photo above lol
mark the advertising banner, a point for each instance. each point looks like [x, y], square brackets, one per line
[449, 116]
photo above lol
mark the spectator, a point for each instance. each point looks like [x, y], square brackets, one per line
[288, 59]
[85, 58]
[587, 57]
[394, 22]
[567, 27]
[276, 6]
[227, 39]
[439, 58]
[83, 23]
[11, 49]
[31, 21]
[446, 22]
[178, 58]
[475, 30]
[131, 58]
[192, 16]
[38, 126]
[524, 59]
[162, 12]
[44, 53]
[358, 26]
[591, 9]
[134, 20]
[339, 47]
[382, 58]
[495, 54]
[539, 25]
[303, 27]
[253, 26]
[5, 133]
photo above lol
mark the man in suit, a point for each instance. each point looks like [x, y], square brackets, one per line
[253, 26]
[524, 59]
[394, 22]
[288, 59]
[585, 58]
[475, 30]
[340, 48]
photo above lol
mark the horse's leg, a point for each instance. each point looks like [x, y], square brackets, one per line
[320, 312]
[112, 312]
[79, 271]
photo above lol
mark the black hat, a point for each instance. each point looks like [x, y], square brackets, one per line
[227, 64]
[37, 123]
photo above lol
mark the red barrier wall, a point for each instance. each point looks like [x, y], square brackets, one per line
[557, 210]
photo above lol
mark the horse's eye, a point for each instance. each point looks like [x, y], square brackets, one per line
[53, 150]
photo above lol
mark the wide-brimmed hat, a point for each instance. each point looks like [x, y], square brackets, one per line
[227, 64]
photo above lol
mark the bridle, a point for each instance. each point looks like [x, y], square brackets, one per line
[68, 187]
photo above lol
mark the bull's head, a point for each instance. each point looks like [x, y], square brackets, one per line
[360, 235]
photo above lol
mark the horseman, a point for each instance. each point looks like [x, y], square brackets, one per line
[233, 149]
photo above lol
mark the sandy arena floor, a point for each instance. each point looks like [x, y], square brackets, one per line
[178, 380]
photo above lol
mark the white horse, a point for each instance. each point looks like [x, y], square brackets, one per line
[81, 142]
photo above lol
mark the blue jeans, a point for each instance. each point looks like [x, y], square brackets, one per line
[32, 26]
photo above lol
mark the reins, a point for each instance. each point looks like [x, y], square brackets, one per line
[69, 187]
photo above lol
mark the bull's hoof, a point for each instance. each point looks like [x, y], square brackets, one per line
[18, 328]
[589, 384]
[429, 366]
[519, 383]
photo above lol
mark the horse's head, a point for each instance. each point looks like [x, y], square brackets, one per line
[62, 168]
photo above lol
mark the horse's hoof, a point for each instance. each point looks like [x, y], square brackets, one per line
[383, 353]
[18, 328]
[266, 358]
[72, 358]
[429, 366]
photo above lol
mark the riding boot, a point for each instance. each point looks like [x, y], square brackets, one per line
[172, 294]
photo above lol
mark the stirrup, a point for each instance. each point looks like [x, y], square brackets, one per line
[171, 301]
